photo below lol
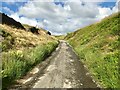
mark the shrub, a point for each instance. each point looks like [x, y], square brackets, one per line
[48, 32]
[34, 30]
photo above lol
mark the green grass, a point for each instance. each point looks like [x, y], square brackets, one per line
[21, 51]
[17, 63]
[98, 46]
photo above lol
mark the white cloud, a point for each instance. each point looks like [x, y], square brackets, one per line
[104, 12]
[117, 6]
[60, 20]
[7, 10]
[25, 20]
[88, 10]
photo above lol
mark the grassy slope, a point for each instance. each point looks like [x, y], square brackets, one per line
[98, 46]
[60, 37]
[27, 27]
[21, 51]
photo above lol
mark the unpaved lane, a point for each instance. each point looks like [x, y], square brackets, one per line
[65, 71]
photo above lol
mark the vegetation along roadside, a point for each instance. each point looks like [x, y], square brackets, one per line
[21, 51]
[98, 46]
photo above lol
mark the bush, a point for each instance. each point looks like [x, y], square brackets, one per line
[48, 32]
[34, 30]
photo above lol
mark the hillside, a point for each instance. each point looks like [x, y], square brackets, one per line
[10, 21]
[98, 47]
[22, 50]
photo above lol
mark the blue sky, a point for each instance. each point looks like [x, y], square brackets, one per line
[12, 6]
[107, 4]
[58, 16]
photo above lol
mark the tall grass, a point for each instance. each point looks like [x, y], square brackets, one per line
[7, 42]
[16, 63]
[98, 46]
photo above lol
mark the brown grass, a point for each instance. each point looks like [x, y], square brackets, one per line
[27, 39]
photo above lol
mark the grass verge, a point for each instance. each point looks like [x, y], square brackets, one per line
[98, 46]
[17, 63]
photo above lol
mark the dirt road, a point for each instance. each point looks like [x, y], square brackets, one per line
[65, 71]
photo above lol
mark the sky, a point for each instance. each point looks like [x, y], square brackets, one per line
[59, 16]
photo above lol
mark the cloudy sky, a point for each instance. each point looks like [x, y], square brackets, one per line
[59, 16]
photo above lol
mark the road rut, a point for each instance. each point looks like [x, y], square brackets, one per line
[65, 71]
